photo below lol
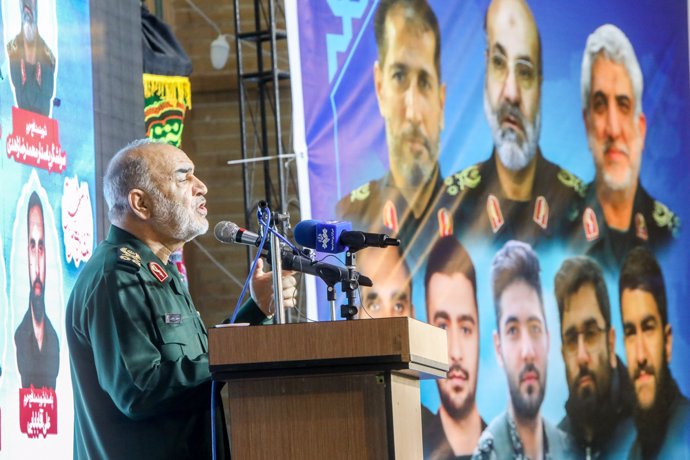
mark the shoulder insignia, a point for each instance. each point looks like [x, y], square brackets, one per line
[128, 258]
[541, 212]
[570, 180]
[493, 209]
[390, 216]
[664, 217]
[468, 178]
[361, 193]
[641, 227]
[158, 271]
[445, 223]
[590, 224]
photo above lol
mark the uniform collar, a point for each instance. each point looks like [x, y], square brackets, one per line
[120, 237]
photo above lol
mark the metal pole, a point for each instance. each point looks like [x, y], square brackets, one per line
[278, 303]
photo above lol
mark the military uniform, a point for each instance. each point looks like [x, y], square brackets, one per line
[379, 206]
[37, 367]
[139, 359]
[33, 83]
[436, 445]
[613, 428]
[479, 209]
[652, 224]
[500, 440]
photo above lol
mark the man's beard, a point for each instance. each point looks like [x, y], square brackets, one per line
[606, 178]
[178, 221]
[28, 23]
[38, 306]
[415, 169]
[525, 407]
[514, 155]
[651, 423]
[457, 411]
[592, 409]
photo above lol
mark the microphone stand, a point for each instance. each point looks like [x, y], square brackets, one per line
[280, 316]
[349, 287]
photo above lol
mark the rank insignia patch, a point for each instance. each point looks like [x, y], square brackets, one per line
[390, 216]
[493, 209]
[641, 227]
[160, 274]
[590, 224]
[445, 223]
[541, 212]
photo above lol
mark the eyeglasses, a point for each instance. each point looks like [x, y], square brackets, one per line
[591, 335]
[525, 72]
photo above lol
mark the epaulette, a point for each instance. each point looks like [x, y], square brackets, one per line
[570, 180]
[128, 259]
[468, 178]
[361, 193]
[665, 218]
[12, 46]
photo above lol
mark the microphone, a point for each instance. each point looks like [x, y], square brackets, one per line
[330, 273]
[336, 236]
[230, 232]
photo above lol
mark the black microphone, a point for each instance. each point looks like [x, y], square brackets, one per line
[330, 273]
[230, 232]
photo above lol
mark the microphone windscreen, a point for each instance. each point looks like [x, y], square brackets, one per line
[305, 233]
[225, 231]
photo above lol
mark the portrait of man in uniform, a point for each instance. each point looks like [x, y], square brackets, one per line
[391, 294]
[516, 193]
[521, 343]
[411, 98]
[599, 407]
[618, 213]
[38, 349]
[32, 63]
[451, 304]
[662, 412]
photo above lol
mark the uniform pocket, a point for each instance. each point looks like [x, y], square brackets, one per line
[179, 338]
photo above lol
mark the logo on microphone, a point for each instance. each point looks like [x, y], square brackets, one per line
[323, 238]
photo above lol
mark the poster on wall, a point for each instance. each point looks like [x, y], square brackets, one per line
[47, 227]
[532, 158]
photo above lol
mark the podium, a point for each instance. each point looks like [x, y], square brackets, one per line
[327, 390]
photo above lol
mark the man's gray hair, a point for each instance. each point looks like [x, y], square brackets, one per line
[610, 42]
[127, 170]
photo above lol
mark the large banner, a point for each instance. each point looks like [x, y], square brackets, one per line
[47, 227]
[519, 162]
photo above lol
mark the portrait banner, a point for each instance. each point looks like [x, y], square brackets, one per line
[531, 158]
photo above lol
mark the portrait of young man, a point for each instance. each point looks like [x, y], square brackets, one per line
[662, 412]
[451, 304]
[599, 406]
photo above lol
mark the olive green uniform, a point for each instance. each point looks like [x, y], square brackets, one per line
[652, 224]
[481, 211]
[33, 83]
[139, 359]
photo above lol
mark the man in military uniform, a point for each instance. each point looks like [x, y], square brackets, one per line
[618, 213]
[599, 408]
[521, 343]
[516, 193]
[32, 64]
[411, 98]
[451, 304]
[38, 348]
[662, 412]
[138, 347]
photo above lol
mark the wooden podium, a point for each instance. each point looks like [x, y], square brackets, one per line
[327, 390]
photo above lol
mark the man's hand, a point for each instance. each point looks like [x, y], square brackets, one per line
[261, 288]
